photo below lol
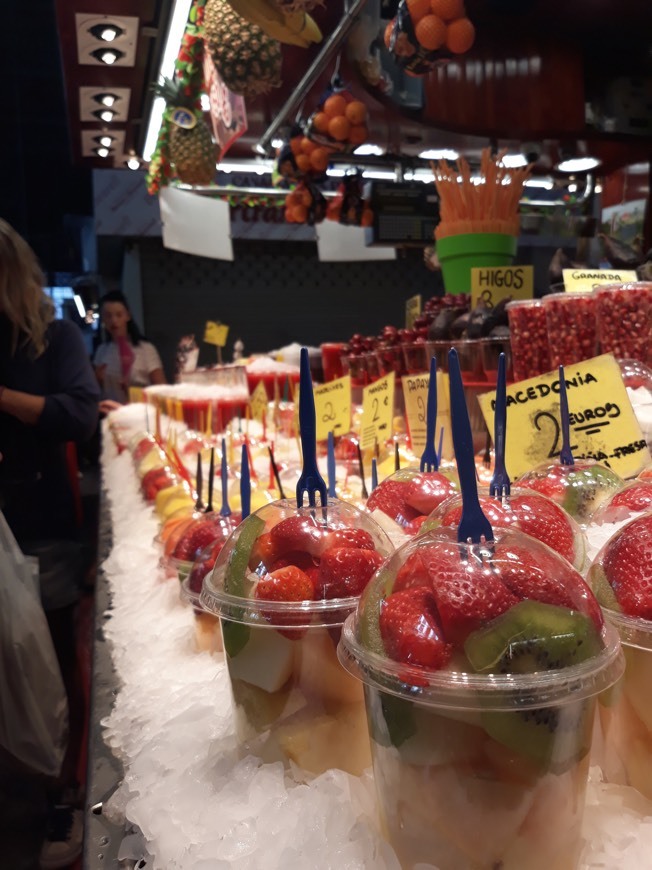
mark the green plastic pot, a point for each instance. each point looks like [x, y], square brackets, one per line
[459, 254]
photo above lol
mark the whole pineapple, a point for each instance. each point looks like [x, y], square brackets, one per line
[192, 152]
[248, 60]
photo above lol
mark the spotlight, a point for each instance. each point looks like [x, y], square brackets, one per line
[577, 164]
[107, 55]
[104, 141]
[276, 143]
[133, 163]
[439, 154]
[107, 99]
[106, 32]
[369, 149]
[513, 161]
[101, 152]
[105, 115]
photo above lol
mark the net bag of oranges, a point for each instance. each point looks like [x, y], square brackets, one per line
[305, 204]
[428, 33]
[348, 207]
[302, 158]
[339, 123]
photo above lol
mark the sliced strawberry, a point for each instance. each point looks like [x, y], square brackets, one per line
[195, 540]
[627, 564]
[531, 572]
[467, 592]
[493, 509]
[412, 573]
[637, 497]
[415, 526]
[299, 533]
[286, 584]
[264, 552]
[389, 497]
[351, 538]
[543, 519]
[345, 571]
[204, 565]
[552, 485]
[410, 629]
[428, 490]
[296, 558]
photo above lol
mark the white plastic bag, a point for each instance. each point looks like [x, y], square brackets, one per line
[33, 706]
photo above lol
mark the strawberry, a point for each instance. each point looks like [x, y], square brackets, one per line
[493, 509]
[264, 552]
[299, 533]
[627, 564]
[553, 484]
[155, 480]
[412, 573]
[428, 490]
[543, 519]
[195, 540]
[467, 592]
[204, 565]
[142, 448]
[415, 526]
[286, 584]
[410, 629]
[351, 538]
[294, 557]
[389, 497]
[637, 497]
[345, 571]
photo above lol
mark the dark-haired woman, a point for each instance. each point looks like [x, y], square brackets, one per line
[125, 359]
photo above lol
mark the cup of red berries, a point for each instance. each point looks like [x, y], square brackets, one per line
[528, 333]
[282, 586]
[625, 320]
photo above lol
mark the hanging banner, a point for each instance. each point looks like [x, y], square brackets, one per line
[227, 110]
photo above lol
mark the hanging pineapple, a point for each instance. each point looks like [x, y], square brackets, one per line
[191, 149]
[248, 60]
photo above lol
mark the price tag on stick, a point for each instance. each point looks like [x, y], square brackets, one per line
[258, 402]
[377, 412]
[333, 407]
[412, 310]
[603, 425]
[493, 283]
[583, 280]
[415, 394]
[216, 333]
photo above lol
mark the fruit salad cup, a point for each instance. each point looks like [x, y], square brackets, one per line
[404, 499]
[528, 511]
[481, 665]
[282, 586]
[184, 547]
[580, 488]
[621, 576]
[572, 327]
[634, 498]
[208, 637]
[529, 338]
[625, 320]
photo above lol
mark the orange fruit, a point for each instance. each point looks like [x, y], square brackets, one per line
[303, 163]
[307, 146]
[430, 32]
[300, 214]
[388, 32]
[295, 145]
[335, 105]
[358, 134]
[319, 159]
[289, 217]
[333, 210]
[460, 36]
[447, 10]
[418, 8]
[305, 197]
[320, 122]
[356, 112]
[367, 219]
[339, 128]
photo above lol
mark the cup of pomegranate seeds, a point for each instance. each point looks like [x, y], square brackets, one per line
[624, 313]
[572, 327]
[529, 338]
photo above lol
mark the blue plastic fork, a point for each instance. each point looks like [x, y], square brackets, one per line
[199, 484]
[245, 484]
[374, 473]
[225, 510]
[310, 481]
[474, 526]
[211, 482]
[500, 485]
[429, 461]
[330, 462]
[566, 455]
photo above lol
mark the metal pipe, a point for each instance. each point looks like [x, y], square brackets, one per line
[310, 76]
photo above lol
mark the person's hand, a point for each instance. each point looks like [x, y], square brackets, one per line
[108, 405]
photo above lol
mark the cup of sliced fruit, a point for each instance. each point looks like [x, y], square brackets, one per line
[621, 576]
[581, 488]
[481, 665]
[282, 586]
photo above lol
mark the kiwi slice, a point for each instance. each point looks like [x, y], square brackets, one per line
[236, 634]
[602, 589]
[529, 638]
[581, 501]
[369, 611]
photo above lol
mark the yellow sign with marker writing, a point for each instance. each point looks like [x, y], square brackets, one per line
[216, 333]
[584, 280]
[333, 407]
[412, 310]
[258, 402]
[602, 421]
[491, 284]
[377, 412]
[415, 394]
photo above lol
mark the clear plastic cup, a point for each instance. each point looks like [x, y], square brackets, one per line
[478, 764]
[491, 348]
[293, 701]
[624, 314]
[572, 327]
[406, 497]
[528, 333]
[581, 489]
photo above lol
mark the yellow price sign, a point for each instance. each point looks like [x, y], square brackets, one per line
[415, 394]
[216, 333]
[491, 284]
[258, 402]
[136, 394]
[602, 421]
[377, 412]
[412, 310]
[583, 280]
[333, 407]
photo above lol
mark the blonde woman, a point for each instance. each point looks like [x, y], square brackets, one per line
[48, 397]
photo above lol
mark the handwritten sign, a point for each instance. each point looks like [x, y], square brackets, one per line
[602, 421]
[136, 394]
[412, 310]
[258, 402]
[377, 412]
[584, 280]
[415, 394]
[216, 333]
[333, 407]
[493, 283]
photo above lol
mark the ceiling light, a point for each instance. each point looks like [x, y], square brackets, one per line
[578, 164]
[637, 168]
[259, 168]
[81, 309]
[439, 154]
[104, 114]
[572, 188]
[336, 173]
[106, 32]
[106, 99]
[369, 150]
[277, 143]
[513, 161]
[380, 175]
[101, 152]
[205, 103]
[133, 162]
[105, 141]
[545, 183]
[598, 188]
[107, 55]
